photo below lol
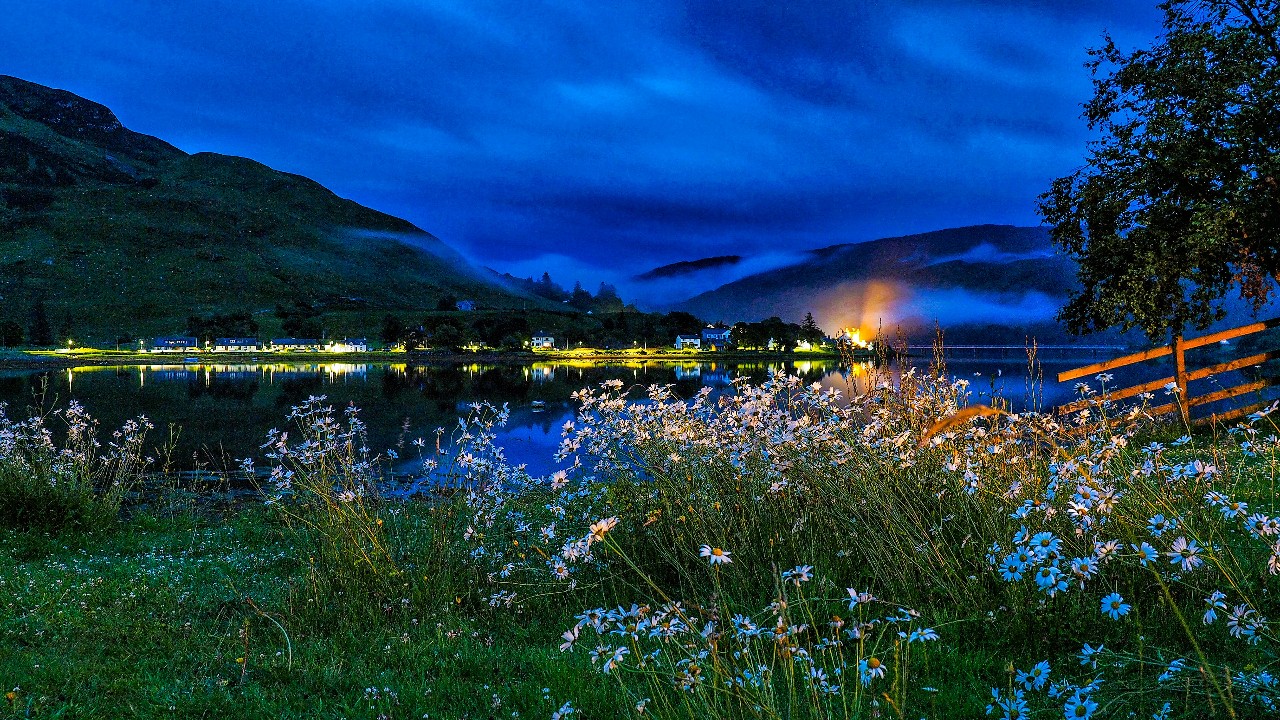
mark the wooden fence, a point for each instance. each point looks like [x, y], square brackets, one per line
[1182, 376]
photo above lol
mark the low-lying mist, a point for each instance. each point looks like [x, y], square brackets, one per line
[889, 304]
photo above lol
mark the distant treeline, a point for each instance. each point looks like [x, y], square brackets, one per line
[39, 329]
[758, 335]
[620, 330]
[606, 298]
[512, 329]
[599, 320]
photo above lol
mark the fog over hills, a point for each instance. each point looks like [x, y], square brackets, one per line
[984, 282]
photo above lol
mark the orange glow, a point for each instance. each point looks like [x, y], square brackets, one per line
[852, 337]
[864, 306]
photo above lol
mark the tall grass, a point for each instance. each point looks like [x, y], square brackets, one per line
[76, 483]
[324, 486]
[365, 557]
[1085, 546]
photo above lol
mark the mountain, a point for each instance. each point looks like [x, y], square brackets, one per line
[119, 233]
[689, 267]
[983, 283]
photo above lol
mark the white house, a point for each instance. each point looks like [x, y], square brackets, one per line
[235, 345]
[688, 372]
[349, 345]
[684, 342]
[715, 337]
[174, 344]
[543, 340]
[295, 345]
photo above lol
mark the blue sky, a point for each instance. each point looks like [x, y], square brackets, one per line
[599, 139]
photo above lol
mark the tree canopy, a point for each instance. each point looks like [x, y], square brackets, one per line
[1178, 203]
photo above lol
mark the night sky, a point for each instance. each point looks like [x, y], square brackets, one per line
[600, 139]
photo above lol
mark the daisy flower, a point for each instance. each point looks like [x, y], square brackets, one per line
[799, 574]
[1114, 606]
[715, 555]
[744, 626]
[1158, 525]
[1175, 667]
[857, 598]
[1146, 553]
[1084, 568]
[570, 638]
[1079, 707]
[1036, 677]
[870, 669]
[598, 529]
[613, 662]
[1044, 544]
[1011, 569]
[1212, 605]
[1185, 553]
[1050, 580]
[1088, 653]
[923, 635]
[1013, 706]
[1260, 525]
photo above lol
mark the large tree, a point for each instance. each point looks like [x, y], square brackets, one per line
[809, 330]
[1178, 203]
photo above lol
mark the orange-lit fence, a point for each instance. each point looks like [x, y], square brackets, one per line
[1182, 376]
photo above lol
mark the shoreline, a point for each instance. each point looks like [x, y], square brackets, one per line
[52, 360]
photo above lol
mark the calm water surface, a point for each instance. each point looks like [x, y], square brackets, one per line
[221, 412]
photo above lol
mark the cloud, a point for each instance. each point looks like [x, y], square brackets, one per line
[664, 292]
[988, 253]
[878, 304]
[609, 135]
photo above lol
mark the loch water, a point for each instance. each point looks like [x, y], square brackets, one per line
[211, 414]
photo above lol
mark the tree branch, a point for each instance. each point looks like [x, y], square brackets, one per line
[1245, 8]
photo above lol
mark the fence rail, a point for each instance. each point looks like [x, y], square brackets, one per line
[1182, 376]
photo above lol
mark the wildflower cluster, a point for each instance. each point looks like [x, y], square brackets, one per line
[840, 653]
[1079, 515]
[81, 481]
[325, 483]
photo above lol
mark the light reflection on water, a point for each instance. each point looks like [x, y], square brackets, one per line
[222, 411]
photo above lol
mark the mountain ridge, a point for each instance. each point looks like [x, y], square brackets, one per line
[688, 267]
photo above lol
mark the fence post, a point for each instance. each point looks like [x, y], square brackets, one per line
[1180, 378]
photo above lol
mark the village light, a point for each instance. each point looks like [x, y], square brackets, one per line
[853, 337]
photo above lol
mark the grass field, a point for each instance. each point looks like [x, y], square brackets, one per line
[775, 553]
[176, 617]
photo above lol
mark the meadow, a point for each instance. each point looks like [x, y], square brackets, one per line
[779, 551]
